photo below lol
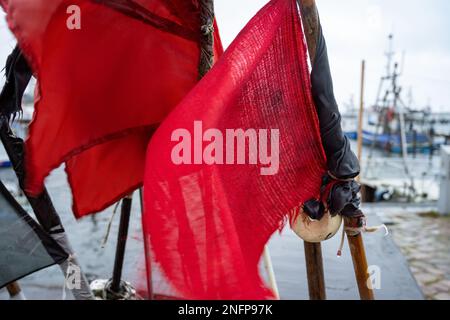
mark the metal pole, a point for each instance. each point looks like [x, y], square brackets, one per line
[116, 282]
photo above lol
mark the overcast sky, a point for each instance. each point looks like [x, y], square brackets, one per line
[357, 29]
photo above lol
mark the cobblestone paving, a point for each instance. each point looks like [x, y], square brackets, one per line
[424, 238]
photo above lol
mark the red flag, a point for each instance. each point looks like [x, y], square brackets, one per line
[108, 73]
[213, 201]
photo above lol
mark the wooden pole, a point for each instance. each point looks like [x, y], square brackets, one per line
[361, 113]
[311, 23]
[359, 263]
[14, 290]
[314, 271]
[313, 255]
[313, 251]
[355, 241]
[207, 37]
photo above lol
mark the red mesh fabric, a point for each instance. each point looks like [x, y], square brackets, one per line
[207, 224]
[102, 88]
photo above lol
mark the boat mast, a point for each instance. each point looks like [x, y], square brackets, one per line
[391, 98]
[381, 101]
[390, 54]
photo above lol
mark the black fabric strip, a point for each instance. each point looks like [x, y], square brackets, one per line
[342, 162]
[138, 12]
[18, 75]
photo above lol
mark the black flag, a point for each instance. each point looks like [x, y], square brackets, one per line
[24, 247]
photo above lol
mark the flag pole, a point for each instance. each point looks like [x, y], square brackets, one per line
[311, 25]
[314, 271]
[355, 241]
[207, 37]
[313, 251]
[15, 292]
[116, 285]
[147, 248]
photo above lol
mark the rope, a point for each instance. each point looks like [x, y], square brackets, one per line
[354, 231]
[108, 229]
[207, 37]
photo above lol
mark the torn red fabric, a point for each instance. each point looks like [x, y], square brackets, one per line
[208, 222]
[108, 73]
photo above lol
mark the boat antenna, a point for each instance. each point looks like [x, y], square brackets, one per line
[390, 55]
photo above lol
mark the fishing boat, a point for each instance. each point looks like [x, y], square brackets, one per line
[395, 126]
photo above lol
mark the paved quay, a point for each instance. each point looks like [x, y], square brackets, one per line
[423, 237]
